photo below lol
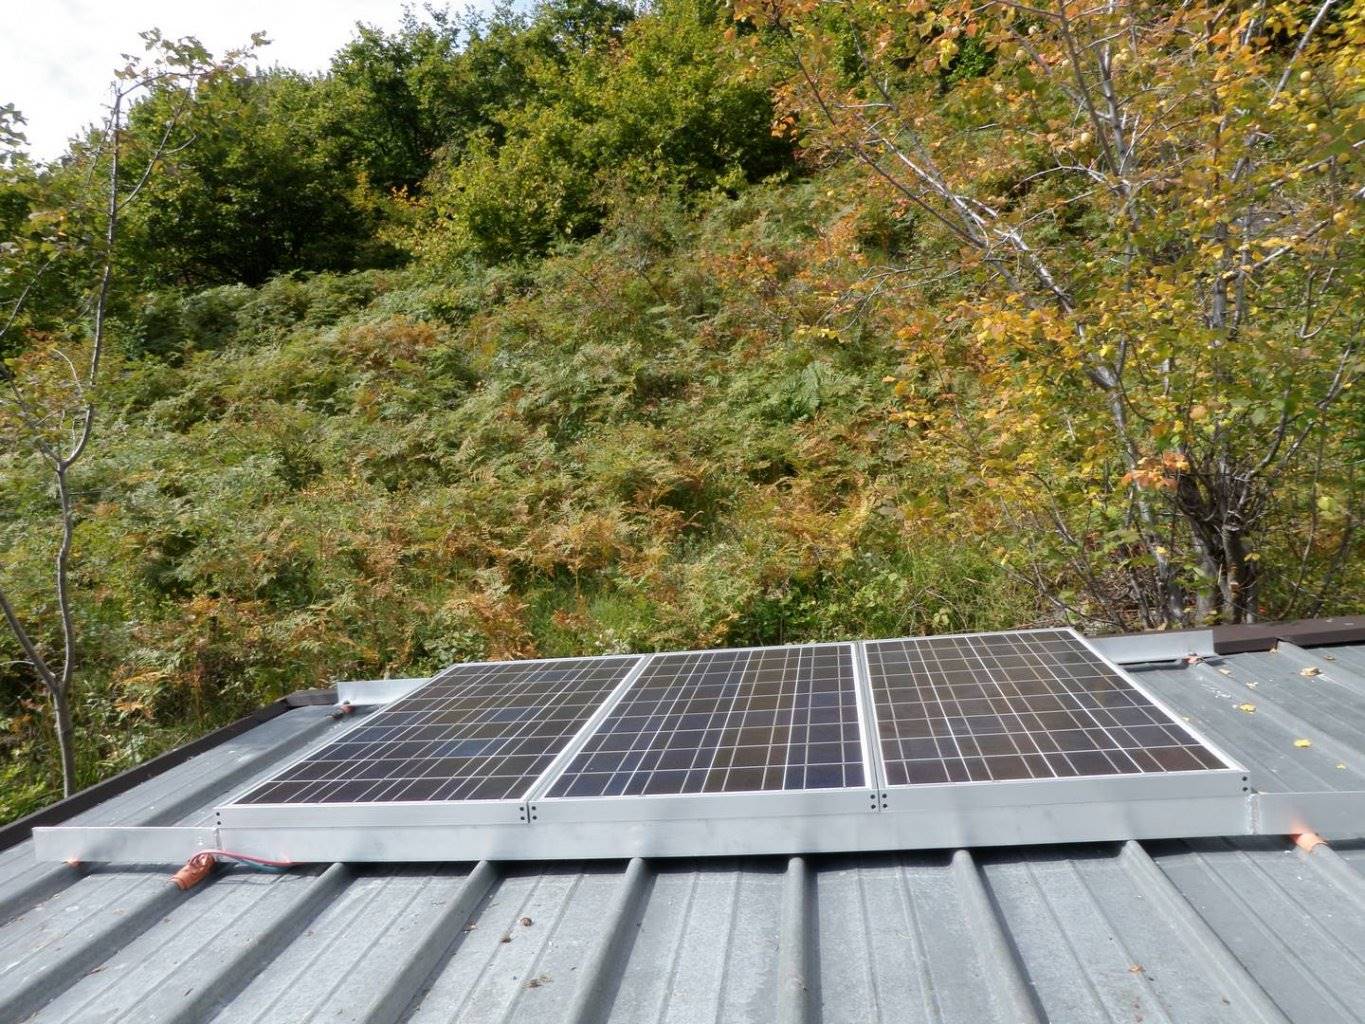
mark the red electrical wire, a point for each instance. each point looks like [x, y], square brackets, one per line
[248, 858]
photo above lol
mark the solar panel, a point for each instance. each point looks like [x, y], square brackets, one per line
[475, 732]
[1035, 704]
[777, 718]
[1033, 737]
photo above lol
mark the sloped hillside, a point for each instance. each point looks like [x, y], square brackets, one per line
[651, 441]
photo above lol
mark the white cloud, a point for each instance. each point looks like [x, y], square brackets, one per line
[56, 56]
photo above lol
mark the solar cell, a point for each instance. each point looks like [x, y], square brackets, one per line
[475, 732]
[776, 718]
[1026, 705]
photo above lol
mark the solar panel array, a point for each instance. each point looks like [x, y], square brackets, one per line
[777, 718]
[1034, 705]
[476, 732]
[1025, 705]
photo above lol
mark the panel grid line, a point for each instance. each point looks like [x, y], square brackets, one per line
[760, 719]
[1024, 705]
[475, 732]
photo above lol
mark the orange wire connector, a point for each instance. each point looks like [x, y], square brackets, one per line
[1308, 841]
[198, 867]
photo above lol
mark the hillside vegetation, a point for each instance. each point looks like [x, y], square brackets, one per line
[605, 328]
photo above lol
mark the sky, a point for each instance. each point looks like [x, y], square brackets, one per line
[57, 56]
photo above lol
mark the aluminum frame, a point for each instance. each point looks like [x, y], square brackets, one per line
[122, 844]
[703, 807]
[875, 767]
[361, 693]
[1179, 720]
[396, 813]
[1156, 648]
[1085, 816]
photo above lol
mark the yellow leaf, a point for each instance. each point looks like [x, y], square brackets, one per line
[1248, 708]
[1311, 670]
[1301, 744]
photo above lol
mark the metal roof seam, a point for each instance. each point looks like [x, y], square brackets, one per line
[600, 975]
[1011, 988]
[1255, 910]
[72, 960]
[919, 948]
[795, 957]
[726, 954]
[875, 996]
[1149, 877]
[1151, 999]
[234, 970]
[47, 881]
[435, 948]
[1303, 657]
[1338, 872]
[1091, 989]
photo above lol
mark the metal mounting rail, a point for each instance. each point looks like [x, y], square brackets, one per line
[942, 821]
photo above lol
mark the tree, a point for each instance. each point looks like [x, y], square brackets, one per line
[16, 176]
[51, 389]
[392, 101]
[1147, 214]
[257, 187]
[619, 105]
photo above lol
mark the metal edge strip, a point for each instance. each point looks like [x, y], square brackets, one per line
[868, 722]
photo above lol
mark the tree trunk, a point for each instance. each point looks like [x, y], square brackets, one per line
[61, 712]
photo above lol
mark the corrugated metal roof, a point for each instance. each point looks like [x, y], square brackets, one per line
[1181, 932]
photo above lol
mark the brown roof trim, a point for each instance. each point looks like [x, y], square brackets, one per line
[17, 831]
[1263, 636]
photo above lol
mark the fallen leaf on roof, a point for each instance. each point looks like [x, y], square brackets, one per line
[1311, 670]
[1226, 671]
[1248, 708]
[1252, 684]
[1136, 969]
[1341, 766]
[1303, 743]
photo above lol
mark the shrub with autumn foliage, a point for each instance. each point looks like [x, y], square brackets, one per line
[1137, 272]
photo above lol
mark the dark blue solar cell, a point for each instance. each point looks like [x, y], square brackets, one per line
[727, 722]
[475, 732]
[1027, 705]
